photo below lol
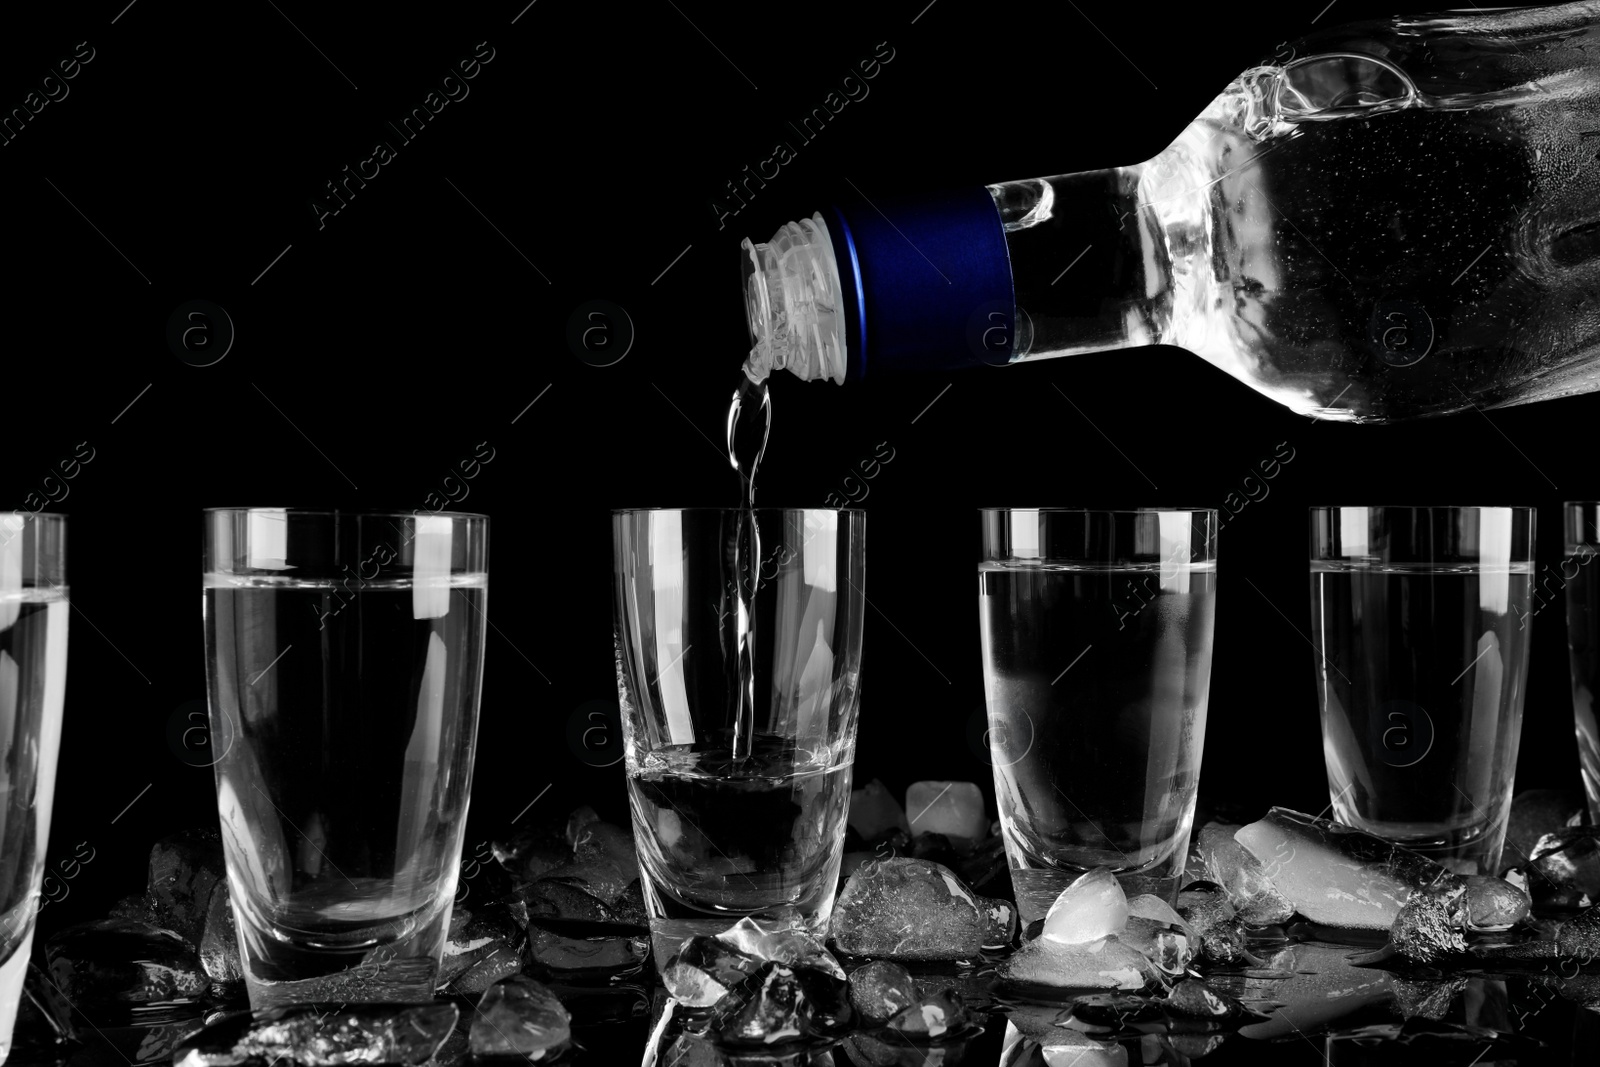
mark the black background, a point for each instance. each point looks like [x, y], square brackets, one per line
[377, 350]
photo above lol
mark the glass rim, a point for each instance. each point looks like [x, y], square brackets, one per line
[26, 515]
[1102, 511]
[356, 512]
[1326, 508]
[708, 508]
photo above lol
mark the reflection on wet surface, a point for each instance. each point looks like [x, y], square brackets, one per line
[549, 960]
[1307, 1004]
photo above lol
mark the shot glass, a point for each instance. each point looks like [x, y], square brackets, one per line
[738, 776]
[1581, 577]
[1096, 629]
[344, 658]
[1420, 618]
[33, 681]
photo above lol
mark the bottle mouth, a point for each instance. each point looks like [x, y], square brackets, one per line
[792, 303]
[757, 312]
[757, 302]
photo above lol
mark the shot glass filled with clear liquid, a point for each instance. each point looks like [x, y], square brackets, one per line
[344, 658]
[33, 681]
[1097, 630]
[1420, 619]
[740, 684]
[1580, 574]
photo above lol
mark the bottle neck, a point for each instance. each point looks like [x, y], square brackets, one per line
[983, 276]
[1088, 267]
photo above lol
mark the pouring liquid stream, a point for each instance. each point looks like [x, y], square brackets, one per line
[749, 422]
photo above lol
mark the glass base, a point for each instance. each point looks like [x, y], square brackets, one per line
[667, 936]
[12, 975]
[1480, 854]
[1467, 850]
[403, 981]
[1038, 887]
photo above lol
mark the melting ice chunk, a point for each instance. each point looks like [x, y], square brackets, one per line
[1093, 906]
[1494, 903]
[1150, 906]
[1337, 875]
[875, 813]
[1104, 964]
[1068, 1048]
[1429, 924]
[954, 809]
[781, 944]
[1237, 871]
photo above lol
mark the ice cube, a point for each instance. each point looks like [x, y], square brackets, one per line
[1000, 922]
[520, 1017]
[908, 909]
[1099, 1013]
[1494, 903]
[557, 953]
[219, 944]
[713, 957]
[874, 812]
[1580, 936]
[1569, 859]
[780, 1003]
[829, 997]
[1169, 947]
[563, 898]
[533, 851]
[310, 1036]
[1194, 998]
[954, 809]
[1214, 923]
[881, 990]
[474, 938]
[1337, 875]
[1150, 906]
[629, 907]
[1107, 963]
[118, 962]
[691, 986]
[781, 943]
[1534, 813]
[603, 859]
[501, 962]
[1068, 1048]
[184, 869]
[1091, 907]
[1241, 876]
[1428, 926]
[1425, 998]
[931, 1016]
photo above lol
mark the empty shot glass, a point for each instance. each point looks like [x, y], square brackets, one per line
[344, 658]
[738, 767]
[1420, 618]
[1097, 630]
[1580, 574]
[33, 682]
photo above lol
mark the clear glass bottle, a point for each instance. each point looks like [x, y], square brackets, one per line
[1390, 219]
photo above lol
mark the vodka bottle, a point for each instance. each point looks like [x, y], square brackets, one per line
[1390, 219]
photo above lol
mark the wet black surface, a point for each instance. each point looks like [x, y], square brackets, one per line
[1306, 1004]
